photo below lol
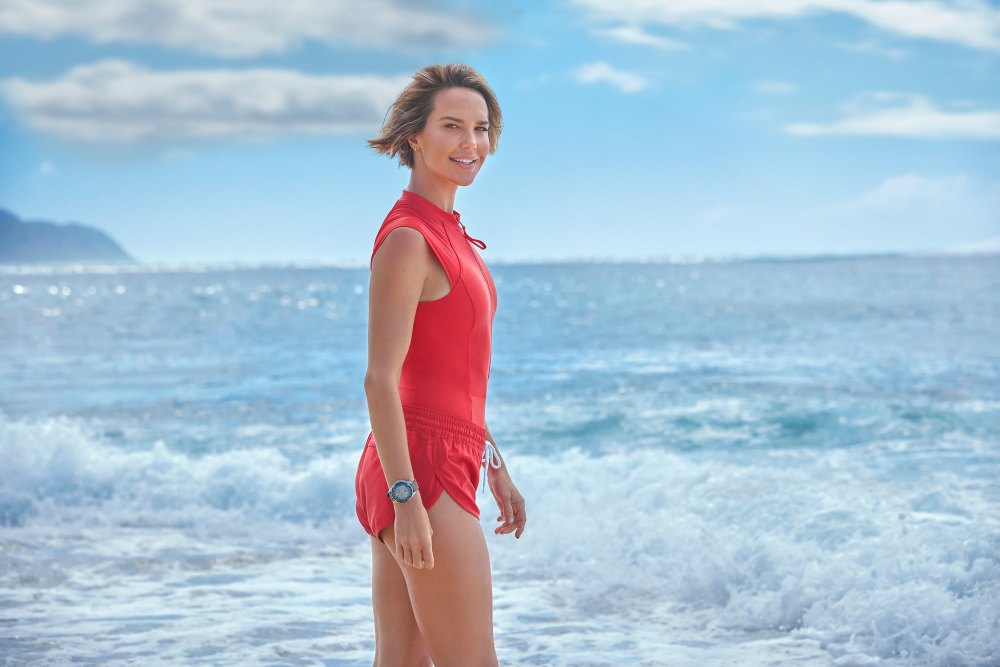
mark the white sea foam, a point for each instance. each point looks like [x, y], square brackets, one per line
[61, 469]
[652, 555]
[822, 551]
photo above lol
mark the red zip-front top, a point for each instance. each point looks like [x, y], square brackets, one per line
[448, 363]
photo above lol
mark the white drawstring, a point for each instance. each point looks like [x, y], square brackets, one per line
[491, 457]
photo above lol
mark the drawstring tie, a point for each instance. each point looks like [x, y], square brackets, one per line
[490, 458]
[475, 242]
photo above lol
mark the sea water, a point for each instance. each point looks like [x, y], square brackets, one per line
[725, 463]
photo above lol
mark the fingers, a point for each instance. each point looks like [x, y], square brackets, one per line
[517, 521]
[506, 515]
[415, 555]
[428, 559]
[413, 538]
[418, 558]
[507, 509]
[520, 519]
[504, 494]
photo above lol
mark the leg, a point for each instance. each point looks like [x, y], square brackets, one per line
[453, 602]
[397, 638]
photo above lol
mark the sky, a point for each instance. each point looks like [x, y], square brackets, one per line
[234, 130]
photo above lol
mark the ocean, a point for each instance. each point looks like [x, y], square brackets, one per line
[744, 462]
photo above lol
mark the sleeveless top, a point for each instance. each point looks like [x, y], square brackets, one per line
[447, 365]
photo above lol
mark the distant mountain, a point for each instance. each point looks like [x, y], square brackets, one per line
[22, 241]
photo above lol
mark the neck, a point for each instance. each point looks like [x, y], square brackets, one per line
[440, 193]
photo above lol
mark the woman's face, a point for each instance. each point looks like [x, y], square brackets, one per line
[455, 140]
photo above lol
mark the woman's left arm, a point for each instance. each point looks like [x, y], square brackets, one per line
[509, 499]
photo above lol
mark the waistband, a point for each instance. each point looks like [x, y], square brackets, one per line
[429, 420]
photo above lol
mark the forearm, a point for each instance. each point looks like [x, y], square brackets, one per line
[385, 411]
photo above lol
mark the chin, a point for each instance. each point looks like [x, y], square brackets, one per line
[465, 182]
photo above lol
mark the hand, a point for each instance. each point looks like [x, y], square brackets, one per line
[413, 534]
[509, 500]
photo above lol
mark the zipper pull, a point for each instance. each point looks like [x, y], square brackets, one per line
[476, 242]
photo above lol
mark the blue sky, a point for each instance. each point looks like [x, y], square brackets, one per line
[234, 130]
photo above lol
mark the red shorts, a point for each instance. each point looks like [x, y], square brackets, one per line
[446, 453]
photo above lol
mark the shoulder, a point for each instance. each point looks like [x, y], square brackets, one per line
[404, 245]
[404, 238]
[411, 224]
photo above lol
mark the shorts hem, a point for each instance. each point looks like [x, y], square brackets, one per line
[427, 506]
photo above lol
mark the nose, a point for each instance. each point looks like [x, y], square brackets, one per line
[469, 138]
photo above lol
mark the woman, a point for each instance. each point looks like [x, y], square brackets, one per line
[431, 306]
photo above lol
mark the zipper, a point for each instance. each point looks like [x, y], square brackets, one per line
[482, 271]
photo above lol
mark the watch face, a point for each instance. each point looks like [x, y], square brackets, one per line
[401, 492]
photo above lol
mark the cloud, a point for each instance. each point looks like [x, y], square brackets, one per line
[119, 101]
[908, 212]
[631, 34]
[871, 46]
[46, 168]
[240, 28]
[901, 193]
[775, 87]
[602, 72]
[868, 114]
[971, 23]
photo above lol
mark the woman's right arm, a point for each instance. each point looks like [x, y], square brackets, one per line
[399, 268]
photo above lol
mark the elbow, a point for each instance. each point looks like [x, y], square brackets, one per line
[377, 381]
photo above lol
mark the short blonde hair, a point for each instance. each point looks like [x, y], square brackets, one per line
[408, 114]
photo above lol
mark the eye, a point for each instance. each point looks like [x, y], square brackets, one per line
[484, 129]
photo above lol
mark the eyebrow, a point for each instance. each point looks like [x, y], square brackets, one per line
[459, 120]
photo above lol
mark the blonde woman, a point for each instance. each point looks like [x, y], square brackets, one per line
[431, 307]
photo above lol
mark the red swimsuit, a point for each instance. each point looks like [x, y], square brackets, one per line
[442, 385]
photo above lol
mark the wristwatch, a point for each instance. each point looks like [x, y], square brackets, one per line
[401, 490]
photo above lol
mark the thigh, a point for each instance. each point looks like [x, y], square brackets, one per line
[397, 638]
[453, 601]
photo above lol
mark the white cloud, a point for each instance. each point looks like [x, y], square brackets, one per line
[602, 72]
[963, 104]
[239, 28]
[46, 168]
[119, 101]
[775, 87]
[907, 212]
[904, 192]
[632, 34]
[917, 116]
[871, 46]
[972, 23]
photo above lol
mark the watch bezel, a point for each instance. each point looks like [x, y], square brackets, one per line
[410, 486]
